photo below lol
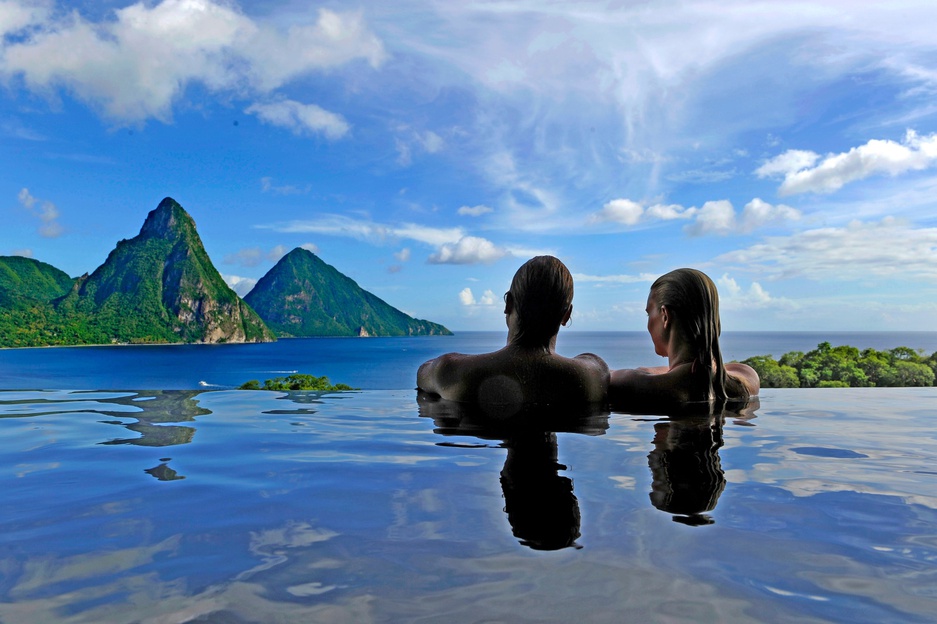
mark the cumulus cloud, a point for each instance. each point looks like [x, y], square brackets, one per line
[877, 157]
[45, 211]
[310, 247]
[403, 255]
[886, 249]
[467, 298]
[714, 217]
[240, 285]
[253, 256]
[474, 211]
[488, 298]
[26, 253]
[301, 118]
[624, 211]
[468, 250]
[733, 296]
[136, 64]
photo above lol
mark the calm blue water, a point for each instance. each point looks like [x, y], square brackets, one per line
[372, 364]
[233, 506]
[175, 502]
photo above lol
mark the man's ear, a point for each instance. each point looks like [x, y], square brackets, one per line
[569, 313]
[508, 302]
[665, 316]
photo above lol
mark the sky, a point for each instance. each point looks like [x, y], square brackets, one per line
[427, 148]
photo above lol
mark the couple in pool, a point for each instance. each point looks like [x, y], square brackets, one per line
[682, 318]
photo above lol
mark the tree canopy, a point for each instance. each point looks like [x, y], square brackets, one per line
[846, 367]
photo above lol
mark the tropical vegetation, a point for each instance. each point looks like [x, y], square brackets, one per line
[296, 381]
[845, 366]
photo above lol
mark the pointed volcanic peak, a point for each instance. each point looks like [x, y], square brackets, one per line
[160, 286]
[303, 296]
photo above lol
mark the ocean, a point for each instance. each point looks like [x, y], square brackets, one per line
[366, 363]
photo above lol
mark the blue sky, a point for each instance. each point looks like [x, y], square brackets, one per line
[427, 148]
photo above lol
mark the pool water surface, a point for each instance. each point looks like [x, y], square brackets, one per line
[250, 506]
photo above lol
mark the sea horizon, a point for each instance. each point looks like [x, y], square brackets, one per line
[385, 363]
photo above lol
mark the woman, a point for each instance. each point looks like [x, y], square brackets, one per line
[683, 320]
[527, 369]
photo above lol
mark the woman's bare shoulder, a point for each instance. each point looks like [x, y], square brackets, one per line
[746, 374]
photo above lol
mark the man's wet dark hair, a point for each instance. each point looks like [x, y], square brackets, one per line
[542, 292]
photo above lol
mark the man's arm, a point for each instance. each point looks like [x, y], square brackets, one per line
[597, 376]
[438, 376]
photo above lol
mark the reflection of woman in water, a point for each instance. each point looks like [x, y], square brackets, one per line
[683, 320]
[527, 369]
[686, 472]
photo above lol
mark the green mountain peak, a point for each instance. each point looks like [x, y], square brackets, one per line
[303, 296]
[168, 220]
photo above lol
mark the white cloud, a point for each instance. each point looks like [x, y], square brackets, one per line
[468, 250]
[758, 213]
[474, 211]
[624, 211]
[877, 157]
[301, 118]
[26, 253]
[734, 297]
[788, 162]
[15, 16]
[453, 245]
[887, 249]
[715, 217]
[45, 211]
[135, 65]
[240, 285]
[369, 231]
[403, 255]
[466, 297]
[310, 247]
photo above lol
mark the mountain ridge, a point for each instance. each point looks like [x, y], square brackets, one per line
[161, 287]
[303, 296]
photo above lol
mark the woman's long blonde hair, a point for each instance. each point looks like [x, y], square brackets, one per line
[694, 300]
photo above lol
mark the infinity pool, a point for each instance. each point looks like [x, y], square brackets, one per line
[237, 506]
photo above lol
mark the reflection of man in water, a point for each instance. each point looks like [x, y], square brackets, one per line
[540, 504]
[685, 468]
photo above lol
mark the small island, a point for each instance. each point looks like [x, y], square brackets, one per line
[296, 381]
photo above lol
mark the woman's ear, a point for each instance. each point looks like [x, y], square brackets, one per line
[569, 313]
[508, 302]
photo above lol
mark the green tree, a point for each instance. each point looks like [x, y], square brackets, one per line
[772, 374]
